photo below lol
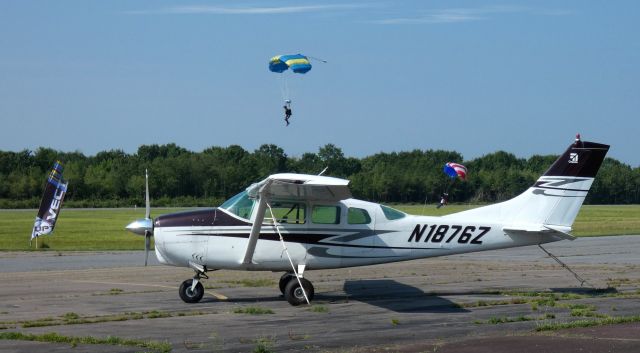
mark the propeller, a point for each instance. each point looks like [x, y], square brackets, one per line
[147, 215]
[144, 226]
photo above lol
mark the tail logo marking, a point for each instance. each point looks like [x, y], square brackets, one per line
[573, 158]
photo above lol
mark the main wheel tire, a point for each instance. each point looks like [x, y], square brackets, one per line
[188, 295]
[284, 280]
[293, 293]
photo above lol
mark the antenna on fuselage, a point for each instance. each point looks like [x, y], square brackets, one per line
[324, 170]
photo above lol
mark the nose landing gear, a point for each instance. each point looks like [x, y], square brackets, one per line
[191, 293]
[191, 290]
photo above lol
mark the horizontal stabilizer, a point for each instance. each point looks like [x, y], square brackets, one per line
[562, 232]
[540, 229]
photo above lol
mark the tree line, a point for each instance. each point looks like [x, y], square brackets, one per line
[179, 177]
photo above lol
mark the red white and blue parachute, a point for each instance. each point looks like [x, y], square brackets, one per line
[455, 170]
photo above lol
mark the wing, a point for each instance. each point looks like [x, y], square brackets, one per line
[291, 186]
[301, 187]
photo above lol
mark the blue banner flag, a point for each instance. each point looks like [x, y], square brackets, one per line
[51, 204]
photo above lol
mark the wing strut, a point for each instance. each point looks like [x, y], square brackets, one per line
[284, 246]
[257, 224]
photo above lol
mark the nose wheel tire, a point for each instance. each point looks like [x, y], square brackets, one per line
[293, 293]
[188, 295]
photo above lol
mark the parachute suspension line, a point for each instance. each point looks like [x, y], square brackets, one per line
[580, 279]
[284, 246]
[280, 88]
[317, 59]
[450, 184]
[284, 87]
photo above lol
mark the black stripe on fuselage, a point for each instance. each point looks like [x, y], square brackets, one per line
[305, 238]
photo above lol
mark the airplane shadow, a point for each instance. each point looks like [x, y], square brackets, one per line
[585, 290]
[400, 297]
[394, 296]
[383, 293]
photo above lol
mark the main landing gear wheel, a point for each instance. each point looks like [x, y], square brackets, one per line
[293, 293]
[188, 295]
[284, 280]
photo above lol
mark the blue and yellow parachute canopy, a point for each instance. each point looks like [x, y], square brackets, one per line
[297, 62]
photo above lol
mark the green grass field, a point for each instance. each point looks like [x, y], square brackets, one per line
[103, 229]
[76, 229]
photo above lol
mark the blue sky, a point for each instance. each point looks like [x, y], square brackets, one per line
[470, 76]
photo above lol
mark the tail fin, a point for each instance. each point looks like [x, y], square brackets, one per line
[553, 202]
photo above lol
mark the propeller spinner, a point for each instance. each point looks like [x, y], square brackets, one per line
[144, 226]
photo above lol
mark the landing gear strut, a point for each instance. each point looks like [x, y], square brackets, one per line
[191, 290]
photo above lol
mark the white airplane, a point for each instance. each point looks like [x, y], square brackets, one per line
[298, 222]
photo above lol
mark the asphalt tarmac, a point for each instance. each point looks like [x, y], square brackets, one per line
[485, 302]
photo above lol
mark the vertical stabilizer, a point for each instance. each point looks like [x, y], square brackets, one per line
[555, 198]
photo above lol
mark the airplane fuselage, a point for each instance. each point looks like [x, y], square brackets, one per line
[217, 239]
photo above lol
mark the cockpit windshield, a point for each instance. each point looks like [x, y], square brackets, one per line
[240, 205]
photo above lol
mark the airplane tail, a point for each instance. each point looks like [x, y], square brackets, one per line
[553, 202]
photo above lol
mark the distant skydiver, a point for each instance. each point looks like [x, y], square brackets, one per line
[289, 66]
[454, 171]
[287, 111]
[444, 197]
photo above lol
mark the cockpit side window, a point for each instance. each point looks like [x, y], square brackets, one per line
[240, 205]
[391, 213]
[325, 214]
[358, 216]
[286, 212]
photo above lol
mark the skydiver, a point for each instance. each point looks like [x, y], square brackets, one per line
[444, 197]
[287, 111]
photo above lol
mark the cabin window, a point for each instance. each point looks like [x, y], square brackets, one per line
[325, 215]
[391, 213]
[240, 205]
[358, 216]
[286, 212]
